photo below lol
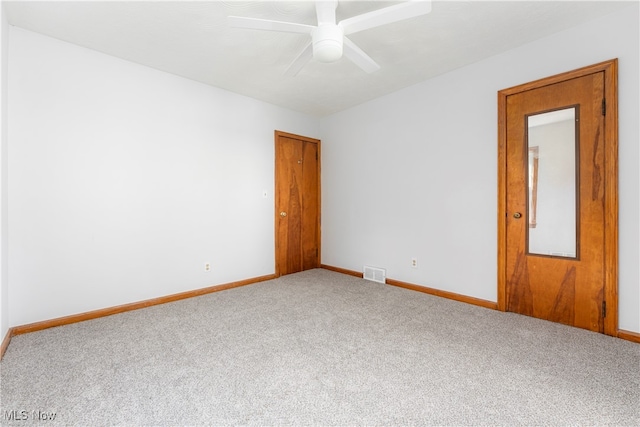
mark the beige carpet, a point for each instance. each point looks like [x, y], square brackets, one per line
[320, 348]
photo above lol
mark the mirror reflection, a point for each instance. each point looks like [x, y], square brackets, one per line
[552, 183]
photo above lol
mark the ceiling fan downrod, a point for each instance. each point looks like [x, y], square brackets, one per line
[327, 37]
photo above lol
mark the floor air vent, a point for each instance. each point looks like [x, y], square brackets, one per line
[375, 274]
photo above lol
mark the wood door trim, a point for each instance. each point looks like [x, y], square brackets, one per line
[610, 69]
[277, 135]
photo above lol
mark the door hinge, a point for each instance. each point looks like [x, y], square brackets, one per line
[604, 309]
[604, 107]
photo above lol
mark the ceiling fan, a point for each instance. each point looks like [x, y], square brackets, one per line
[328, 38]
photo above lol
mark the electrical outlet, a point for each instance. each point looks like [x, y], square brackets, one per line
[414, 262]
[207, 266]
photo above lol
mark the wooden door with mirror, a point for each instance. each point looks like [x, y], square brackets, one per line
[297, 201]
[558, 199]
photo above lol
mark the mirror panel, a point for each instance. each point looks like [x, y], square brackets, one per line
[552, 142]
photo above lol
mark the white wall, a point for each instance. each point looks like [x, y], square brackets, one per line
[414, 174]
[125, 180]
[4, 283]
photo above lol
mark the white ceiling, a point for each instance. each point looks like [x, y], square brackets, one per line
[193, 40]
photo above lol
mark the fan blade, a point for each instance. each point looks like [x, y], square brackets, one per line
[385, 16]
[358, 56]
[268, 25]
[300, 61]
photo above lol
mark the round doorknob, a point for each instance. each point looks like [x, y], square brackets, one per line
[283, 214]
[517, 215]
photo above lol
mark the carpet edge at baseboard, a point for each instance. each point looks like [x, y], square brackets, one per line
[341, 270]
[629, 336]
[5, 342]
[95, 314]
[445, 294]
[622, 334]
[37, 326]
[424, 289]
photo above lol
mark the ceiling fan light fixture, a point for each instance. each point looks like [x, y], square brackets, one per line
[327, 43]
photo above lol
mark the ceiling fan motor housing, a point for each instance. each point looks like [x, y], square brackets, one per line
[327, 42]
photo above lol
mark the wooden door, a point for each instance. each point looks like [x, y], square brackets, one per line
[297, 203]
[574, 206]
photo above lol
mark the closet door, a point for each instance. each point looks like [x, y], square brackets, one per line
[297, 198]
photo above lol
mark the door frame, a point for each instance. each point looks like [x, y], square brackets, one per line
[277, 135]
[610, 69]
